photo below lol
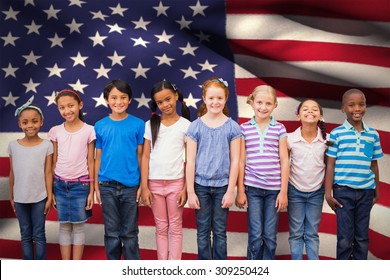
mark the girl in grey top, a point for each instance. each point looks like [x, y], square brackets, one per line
[31, 180]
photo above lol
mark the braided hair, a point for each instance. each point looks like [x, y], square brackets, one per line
[321, 123]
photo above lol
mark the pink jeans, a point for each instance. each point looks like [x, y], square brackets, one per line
[168, 217]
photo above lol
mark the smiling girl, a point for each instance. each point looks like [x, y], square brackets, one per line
[73, 165]
[213, 151]
[264, 171]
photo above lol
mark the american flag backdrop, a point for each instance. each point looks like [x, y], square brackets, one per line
[303, 48]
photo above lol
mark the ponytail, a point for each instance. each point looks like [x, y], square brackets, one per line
[155, 121]
[185, 111]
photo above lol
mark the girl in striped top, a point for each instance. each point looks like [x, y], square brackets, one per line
[264, 172]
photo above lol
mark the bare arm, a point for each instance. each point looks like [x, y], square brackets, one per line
[91, 173]
[11, 184]
[282, 200]
[374, 167]
[191, 149]
[53, 167]
[49, 182]
[228, 198]
[145, 192]
[241, 200]
[139, 157]
[329, 175]
[182, 197]
[98, 157]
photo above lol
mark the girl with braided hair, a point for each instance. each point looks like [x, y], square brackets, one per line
[307, 146]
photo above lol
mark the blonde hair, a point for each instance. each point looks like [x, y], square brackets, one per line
[263, 89]
[215, 82]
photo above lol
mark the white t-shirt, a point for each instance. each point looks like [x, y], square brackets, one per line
[167, 156]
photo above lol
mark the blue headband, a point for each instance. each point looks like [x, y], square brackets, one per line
[28, 105]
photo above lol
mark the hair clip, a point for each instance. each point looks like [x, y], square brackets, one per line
[225, 83]
[174, 87]
[297, 111]
[183, 102]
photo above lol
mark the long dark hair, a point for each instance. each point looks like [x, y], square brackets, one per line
[155, 120]
[320, 123]
[72, 93]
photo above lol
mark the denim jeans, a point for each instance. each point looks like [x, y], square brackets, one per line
[211, 217]
[71, 199]
[120, 214]
[304, 216]
[353, 220]
[262, 223]
[32, 229]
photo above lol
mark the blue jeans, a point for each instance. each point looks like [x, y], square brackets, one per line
[353, 220]
[304, 216]
[211, 217]
[120, 214]
[262, 223]
[32, 229]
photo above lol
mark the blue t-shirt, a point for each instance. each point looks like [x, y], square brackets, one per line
[119, 141]
[212, 162]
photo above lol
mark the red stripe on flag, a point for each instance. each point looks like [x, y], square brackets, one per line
[4, 166]
[288, 50]
[346, 9]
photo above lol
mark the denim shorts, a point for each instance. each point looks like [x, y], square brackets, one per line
[71, 199]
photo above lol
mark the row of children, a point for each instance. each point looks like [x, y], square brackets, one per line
[123, 162]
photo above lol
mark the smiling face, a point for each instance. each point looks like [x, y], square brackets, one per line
[118, 101]
[215, 99]
[354, 106]
[69, 107]
[30, 121]
[309, 112]
[166, 101]
[263, 104]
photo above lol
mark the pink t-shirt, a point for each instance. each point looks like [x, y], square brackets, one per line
[307, 161]
[72, 150]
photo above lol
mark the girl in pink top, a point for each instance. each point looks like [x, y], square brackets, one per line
[307, 146]
[73, 165]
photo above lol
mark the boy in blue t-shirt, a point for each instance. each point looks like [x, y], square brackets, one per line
[119, 141]
[352, 173]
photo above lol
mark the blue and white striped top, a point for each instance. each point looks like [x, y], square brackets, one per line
[262, 167]
[354, 151]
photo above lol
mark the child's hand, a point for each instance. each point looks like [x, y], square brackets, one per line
[47, 206]
[13, 205]
[241, 201]
[182, 198]
[333, 203]
[146, 197]
[227, 200]
[138, 195]
[281, 201]
[193, 201]
[89, 202]
[97, 196]
[54, 202]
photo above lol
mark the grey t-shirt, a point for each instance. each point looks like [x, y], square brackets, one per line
[28, 165]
